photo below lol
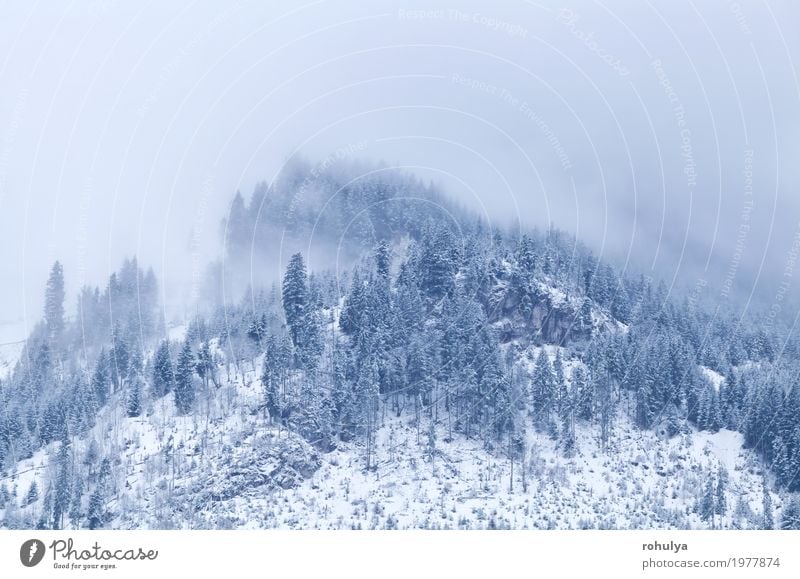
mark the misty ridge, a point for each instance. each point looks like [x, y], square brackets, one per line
[360, 322]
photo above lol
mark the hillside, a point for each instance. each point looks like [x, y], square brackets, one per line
[446, 374]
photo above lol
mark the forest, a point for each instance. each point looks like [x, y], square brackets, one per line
[467, 332]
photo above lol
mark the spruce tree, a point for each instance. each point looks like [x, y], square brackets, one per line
[101, 378]
[295, 297]
[543, 390]
[300, 313]
[54, 303]
[96, 514]
[163, 371]
[720, 500]
[790, 517]
[134, 400]
[184, 380]
[768, 520]
[708, 502]
[33, 494]
[62, 496]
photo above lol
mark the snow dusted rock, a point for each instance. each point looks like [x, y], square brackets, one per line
[268, 463]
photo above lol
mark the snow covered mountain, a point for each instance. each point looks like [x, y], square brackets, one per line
[441, 374]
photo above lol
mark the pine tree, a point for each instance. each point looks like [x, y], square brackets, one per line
[184, 380]
[790, 517]
[300, 313]
[62, 496]
[134, 400]
[295, 297]
[45, 516]
[238, 232]
[33, 494]
[585, 316]
[543, 390]
[54, 303]
[120, 359]
[205, 362]
[101, 378]
[708, 502]
[5, 496]
[75, 512]
[275, 373]
[163, 372]
[96, 514]
[383, 257]
[768, 521]
[720, 501]
[583, 395]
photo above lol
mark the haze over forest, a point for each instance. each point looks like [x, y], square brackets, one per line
[662, 135]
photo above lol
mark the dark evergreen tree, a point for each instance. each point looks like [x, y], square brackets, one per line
[790, 517]
[101, 379]
[295, 297]
[300, 313]
[768, 520]
[63, 492]
[163, 371]
[184, 380]
[275, 374]
[134, 398]
[33, 494]
[205, 363]
[119, 359]
[96, 513]
[707, 509]
[543, 390]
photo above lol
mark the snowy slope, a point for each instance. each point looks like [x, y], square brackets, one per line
[228, 468]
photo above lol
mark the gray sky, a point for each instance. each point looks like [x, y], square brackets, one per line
[666, 132]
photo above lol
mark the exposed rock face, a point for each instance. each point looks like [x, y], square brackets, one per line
[539, 313]
[267, 464]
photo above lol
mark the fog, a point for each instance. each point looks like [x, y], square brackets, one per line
[663, 134]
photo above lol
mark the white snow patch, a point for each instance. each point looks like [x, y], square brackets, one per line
[715, 378]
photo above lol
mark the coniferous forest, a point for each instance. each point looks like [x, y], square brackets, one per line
[369, 354]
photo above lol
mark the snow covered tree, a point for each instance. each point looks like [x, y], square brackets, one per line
[54, 303]
[75, 506]
[383, 258]
[768, 520]
[295, 297]
[275, 374]
[96, 513]
[63, 492]
[707, 508]
[713, 503]
[721, 502]
[300, 313]
[184, 380]
[33, 494]
[790, 517]
[163, 371]
[134, 398]
[543, 390]
[205, 364]
[119, 359]
[101, 379]
[583, 396]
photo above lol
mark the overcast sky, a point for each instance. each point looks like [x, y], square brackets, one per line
[664, 134]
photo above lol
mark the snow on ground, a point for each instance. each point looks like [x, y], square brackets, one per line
[12, 341]
[222, 467]
[9, 354]
[714, 377]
